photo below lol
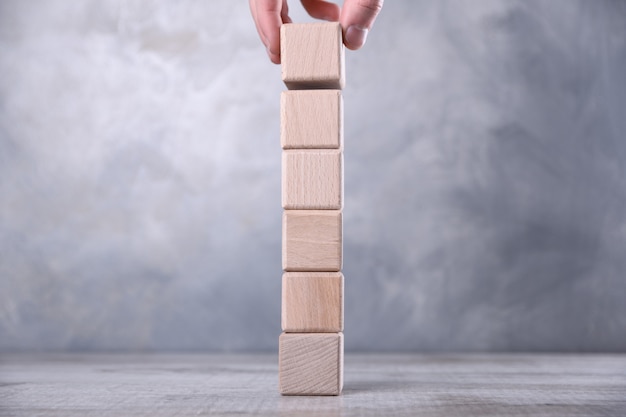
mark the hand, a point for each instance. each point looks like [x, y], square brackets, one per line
[356, 18]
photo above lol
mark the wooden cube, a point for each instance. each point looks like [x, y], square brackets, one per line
[312, 240]
[312, 302]
[311, 119]
[310, 363]
[312, 55]
[312, 179]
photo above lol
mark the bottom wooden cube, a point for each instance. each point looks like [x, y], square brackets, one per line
[310, 363]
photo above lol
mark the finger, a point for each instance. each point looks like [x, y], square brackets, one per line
[256, 22]
[258, 29]
[284, 14]
[268, 16]
[357, 18]
[320, 9]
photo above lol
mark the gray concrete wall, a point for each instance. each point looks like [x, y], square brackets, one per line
[485, 177]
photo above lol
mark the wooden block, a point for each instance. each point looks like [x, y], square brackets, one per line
[312, 55]
[310, 363]
[311, 119]
[312, 179]
[312, 240]
[312, 302]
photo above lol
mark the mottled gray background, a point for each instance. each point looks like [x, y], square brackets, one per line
[485, 177]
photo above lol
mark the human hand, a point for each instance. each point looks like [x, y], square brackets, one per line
[356, 18]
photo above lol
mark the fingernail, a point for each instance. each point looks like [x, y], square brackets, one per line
[356, 36]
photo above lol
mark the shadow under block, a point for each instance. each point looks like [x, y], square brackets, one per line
[311, 119]
[312, 302]
[310, 363]
[312, 240]
[312, 56]
[312, 179]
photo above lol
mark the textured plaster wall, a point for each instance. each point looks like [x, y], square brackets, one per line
[485, 177]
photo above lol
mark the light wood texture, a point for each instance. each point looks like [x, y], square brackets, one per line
[312, 179]
[312, 55]
[312, 240]
[312, 302]
[310, 363]
[434, 385]
[311, 119]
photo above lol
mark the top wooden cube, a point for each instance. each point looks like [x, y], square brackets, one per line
[312, 56]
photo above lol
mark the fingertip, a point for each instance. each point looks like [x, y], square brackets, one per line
[322, 10]
[333, 17]
[284, 13]
[355, 37]
[332, 13]
[357, 18]
[275, 58]
[270, 15]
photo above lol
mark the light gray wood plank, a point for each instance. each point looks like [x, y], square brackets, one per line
[389, 385]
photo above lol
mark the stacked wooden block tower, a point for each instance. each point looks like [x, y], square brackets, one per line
[311, 345]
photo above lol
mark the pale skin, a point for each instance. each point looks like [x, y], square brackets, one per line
[356, 18]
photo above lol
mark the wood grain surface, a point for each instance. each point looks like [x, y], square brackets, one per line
[312, 240]
[311, 119]
[312, 179]
[312, 56]
[446, 385]
[312, 302]
[310, 363]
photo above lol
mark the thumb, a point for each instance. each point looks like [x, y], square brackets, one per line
[357, 18]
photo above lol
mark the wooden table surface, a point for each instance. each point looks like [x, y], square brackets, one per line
[385, 385]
